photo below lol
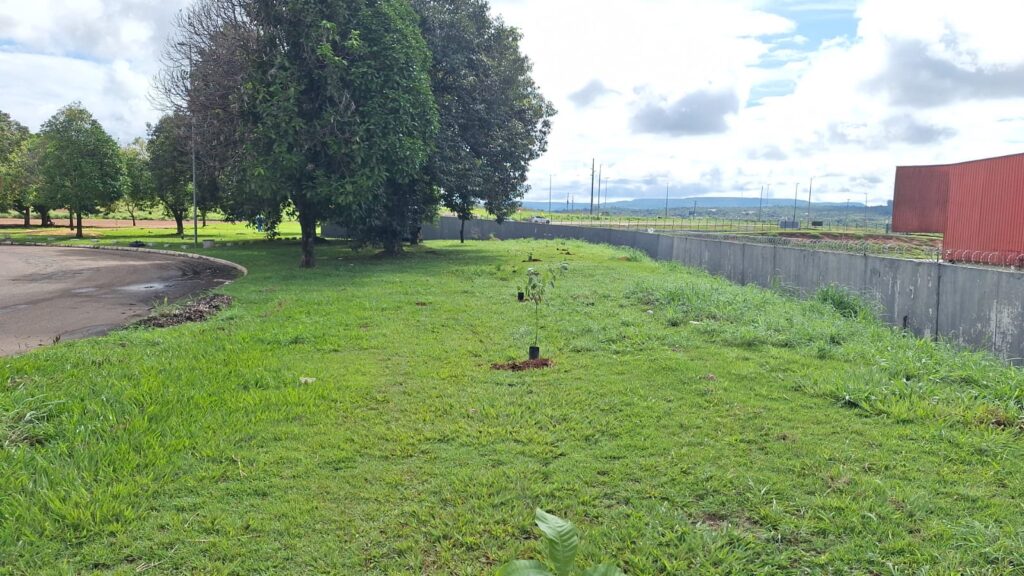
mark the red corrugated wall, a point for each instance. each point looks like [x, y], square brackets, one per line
[985, 214]
[921, 197]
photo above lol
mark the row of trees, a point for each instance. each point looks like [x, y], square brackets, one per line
[73, 164]
[370, 113]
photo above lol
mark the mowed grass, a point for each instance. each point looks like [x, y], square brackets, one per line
[689, 426]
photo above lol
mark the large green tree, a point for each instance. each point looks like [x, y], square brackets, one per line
[22, 181]
[494, 120]
[81, 163]
[137, 189]
[170, 166]
[339, 110]
[318, 109]
[397, 125]
[13, 135]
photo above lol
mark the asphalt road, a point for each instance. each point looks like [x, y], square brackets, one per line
[48, 294]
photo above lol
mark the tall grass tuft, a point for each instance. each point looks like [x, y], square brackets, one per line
[848, 304]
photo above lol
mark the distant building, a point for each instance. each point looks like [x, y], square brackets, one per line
[978, 206]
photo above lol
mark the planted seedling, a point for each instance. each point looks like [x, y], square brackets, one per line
[562, 541]
[537, 284]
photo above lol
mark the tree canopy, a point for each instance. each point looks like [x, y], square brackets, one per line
[137, 189]
[81, 163]
[494, 121]
[170, 165]
[365, 112]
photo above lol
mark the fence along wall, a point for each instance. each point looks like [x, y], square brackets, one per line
[979, 308]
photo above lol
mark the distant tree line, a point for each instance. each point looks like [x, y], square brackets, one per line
[370, 113]
[73, 164]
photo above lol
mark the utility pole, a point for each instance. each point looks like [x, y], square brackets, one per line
[593, 172]
[599, 179]
[667, 201]
[865, 210]
[760, 204]
[810, 190]
[796, 195]
[551, 180]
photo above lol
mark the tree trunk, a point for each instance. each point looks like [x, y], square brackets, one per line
[308, 224]
[393, 245]
[71, 219]
[462, 231]
[179, 219]
[28, 216]
[203, 214]
[132, 214]
[78, 233]
[414, 236]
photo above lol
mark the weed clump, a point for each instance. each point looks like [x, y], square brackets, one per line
[848, 304]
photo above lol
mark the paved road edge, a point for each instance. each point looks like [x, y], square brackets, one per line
[244, 271]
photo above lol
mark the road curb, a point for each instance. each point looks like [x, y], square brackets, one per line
[244, 271]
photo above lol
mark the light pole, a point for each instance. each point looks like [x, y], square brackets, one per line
[810, 190]
[192, 145]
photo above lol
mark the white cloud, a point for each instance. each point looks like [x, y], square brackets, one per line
[102, 53]
[809, 103]
[826, 120]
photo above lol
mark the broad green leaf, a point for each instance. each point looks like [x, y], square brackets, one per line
[562, 539]
[604, 570]
[523, 568]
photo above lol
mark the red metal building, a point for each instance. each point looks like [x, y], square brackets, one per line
[978, 206]
[922, 194]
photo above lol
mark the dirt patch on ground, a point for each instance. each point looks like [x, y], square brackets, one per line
[917, 241]
[524, 365]
[199, 310]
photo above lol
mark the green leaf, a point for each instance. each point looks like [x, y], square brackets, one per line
[604, 570]
[523, 568]
[562, 539]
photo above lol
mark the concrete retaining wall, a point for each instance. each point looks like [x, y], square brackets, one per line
[976, 307]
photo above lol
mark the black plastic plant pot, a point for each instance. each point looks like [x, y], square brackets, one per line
[534, 352]
[522, 296]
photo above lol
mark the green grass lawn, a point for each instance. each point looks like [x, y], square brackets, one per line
[689, 426]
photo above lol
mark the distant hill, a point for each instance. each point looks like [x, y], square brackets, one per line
[703, 202]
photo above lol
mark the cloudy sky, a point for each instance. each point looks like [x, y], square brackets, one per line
[709, 97]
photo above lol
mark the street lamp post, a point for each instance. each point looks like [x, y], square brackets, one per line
[192, 145]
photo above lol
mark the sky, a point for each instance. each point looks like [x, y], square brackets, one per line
[702, 97]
